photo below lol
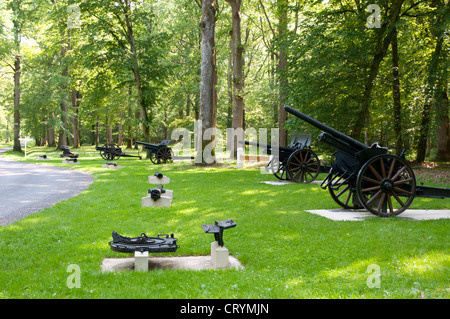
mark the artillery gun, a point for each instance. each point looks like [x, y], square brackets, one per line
[296, 162]
[369, 177]
[159, 154]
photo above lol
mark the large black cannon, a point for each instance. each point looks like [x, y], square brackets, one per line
[297, 162]
[160, 153]
[369, 177]
[110, 152]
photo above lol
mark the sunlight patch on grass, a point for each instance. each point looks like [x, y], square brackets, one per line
[431, 262]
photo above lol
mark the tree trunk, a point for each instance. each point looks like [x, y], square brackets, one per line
[282, 65]
[237, 77]
[436, 91]
[207, 112]
[442, 129]
[385, 34]
[75, 104]
[396, 96]
[17, 71]
[137, 76]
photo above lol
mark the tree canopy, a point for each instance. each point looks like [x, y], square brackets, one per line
[91, 72]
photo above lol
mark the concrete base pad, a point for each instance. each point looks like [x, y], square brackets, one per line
[354, 214]
[186, 263]
[285, 182]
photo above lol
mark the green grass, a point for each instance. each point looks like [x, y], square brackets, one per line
[286, 252]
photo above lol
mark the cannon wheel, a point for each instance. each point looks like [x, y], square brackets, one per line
[108, 152]
[153, 157]
[164, 155]
[303, 166]
[386, 185]
[104, 154]
[114, 153]
[277, 168]
[344, 196]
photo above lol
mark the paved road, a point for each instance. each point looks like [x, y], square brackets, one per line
[27, 188]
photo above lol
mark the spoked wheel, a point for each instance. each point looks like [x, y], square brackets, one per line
[277, 168]
[386, 185]
[345, 196]
[153, 157]
[164, 155]
[303, 166]
[104, 154]
[115, 151]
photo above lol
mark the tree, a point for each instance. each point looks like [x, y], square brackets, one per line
[436, 87]
[237, 79]
[207, 110]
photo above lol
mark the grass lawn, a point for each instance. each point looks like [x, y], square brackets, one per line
[286, 252]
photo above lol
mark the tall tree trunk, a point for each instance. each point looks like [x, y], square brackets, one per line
[17, 71]
[63, 104]
[75, 104]
[396, 95]
[436, 88]
[237, 77]
[51, 131]
[282, 8]
[443, 127]
[385, 34]
[120, 131]
[207, 112]
[137, 76]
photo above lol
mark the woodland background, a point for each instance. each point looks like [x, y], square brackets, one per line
[91, 72]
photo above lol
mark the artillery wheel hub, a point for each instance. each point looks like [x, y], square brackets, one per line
[387, 185]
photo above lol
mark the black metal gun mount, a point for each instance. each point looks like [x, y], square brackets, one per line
[155, 193]
[369, 177]
[67, 152]
[218, 228]
[296, 162]
[161, 244]
[110, 152]
[159, 154]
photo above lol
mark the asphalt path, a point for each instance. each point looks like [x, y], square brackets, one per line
[28, 188]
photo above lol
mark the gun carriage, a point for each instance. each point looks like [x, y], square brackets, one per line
[160, 153]
[110, 152]
[297, 162]
[369, 177]
[67, 152]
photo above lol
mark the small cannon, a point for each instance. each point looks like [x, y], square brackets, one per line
[218, 228]
[67, 152]
[160, 153]
[155, 193]
[161, 244]
[369, 177]
[297, 162]
[109, 152]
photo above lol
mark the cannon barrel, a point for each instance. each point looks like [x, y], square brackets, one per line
[146, 144]
[266, 146]
[358, 145]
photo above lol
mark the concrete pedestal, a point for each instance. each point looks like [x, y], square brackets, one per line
[158, 181]
[111, 166]
[70, 162]
[163, 201]
[240, 158]
[219, 256]
[141, 261]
